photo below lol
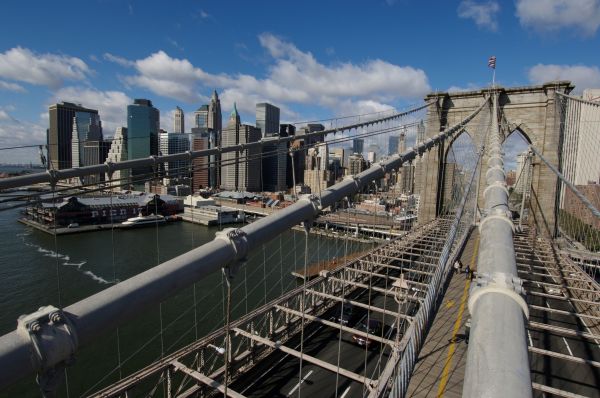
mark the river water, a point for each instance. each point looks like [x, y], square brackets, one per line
[37, 269]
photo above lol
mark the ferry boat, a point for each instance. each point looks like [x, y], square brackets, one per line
[143, 221]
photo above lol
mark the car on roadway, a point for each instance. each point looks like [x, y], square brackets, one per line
[373, 326]
[344, 314]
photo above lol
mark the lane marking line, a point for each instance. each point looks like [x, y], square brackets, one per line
[457, 323]
[300, 382]
[346, 391]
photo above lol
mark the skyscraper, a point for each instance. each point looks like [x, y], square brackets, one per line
[179, 122]
[240, 171]
[201, 117]
[86, 127]
[209, 117]
[143, 125]
[267, 119]
[60, 133]
[317, 176]
[172, 143]
[393, 144]
[358, 145]
[118, 153]
[274, 159]
[200, 165]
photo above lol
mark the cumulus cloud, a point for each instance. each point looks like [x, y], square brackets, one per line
[483, 14]
[550, 15]
[112, 105]
[24, 65]
[294, 77]
[582, 76]
[11, 87]
[15, 133]
[4, 115]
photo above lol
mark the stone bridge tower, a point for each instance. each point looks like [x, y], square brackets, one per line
[531, 110]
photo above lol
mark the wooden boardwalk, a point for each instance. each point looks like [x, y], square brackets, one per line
[440, 368]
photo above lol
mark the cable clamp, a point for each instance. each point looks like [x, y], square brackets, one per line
[497, 214]
[238, 240]
[496, 184]
[53, 344]
[502, 283]
[53, 176]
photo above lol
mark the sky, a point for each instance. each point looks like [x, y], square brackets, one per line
[313, 59]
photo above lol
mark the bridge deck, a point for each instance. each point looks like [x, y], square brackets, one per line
[441, 365]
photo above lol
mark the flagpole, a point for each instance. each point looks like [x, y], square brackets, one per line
[494, 78]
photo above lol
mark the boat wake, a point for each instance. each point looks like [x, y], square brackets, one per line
[66, 261]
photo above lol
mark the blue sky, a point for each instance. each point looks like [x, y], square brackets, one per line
[314, 59]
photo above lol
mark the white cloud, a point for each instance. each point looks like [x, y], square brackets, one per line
[11, 87]
[15, 133]
[582, 76]
[111, 105]
[294, 77]
[51, 70]
[118, 60]
[4, 115]
[552, 15]
[483, 14]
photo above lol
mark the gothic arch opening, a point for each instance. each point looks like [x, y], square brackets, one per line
[518, 170]
[458, 163]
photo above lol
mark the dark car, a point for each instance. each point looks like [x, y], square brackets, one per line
[344, 314]
[374, 327]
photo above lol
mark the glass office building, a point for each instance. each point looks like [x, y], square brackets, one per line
[143, 124]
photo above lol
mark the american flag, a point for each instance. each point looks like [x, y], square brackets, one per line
[492, 62]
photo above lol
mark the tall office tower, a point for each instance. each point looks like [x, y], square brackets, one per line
[267, 119]
[215, 120]
[336, 163]
[209, 117]
[170, 144]
[94, 152]
[118, 153]
[293, 165]
[358, 145]
[143, 125]
[201, 117]
[60, 133]
[240, 170]
[402, 142]
[356, 164]
[393, 144]
[201, 168]
[274, 159]
[179, 123]
[316, 175]
[86, 127]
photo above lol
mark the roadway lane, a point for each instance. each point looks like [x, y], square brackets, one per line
[556, 372]
[278, 374]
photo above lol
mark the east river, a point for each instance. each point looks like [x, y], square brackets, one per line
[37, 269]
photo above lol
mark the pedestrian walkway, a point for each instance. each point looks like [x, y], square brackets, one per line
[441, 365]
